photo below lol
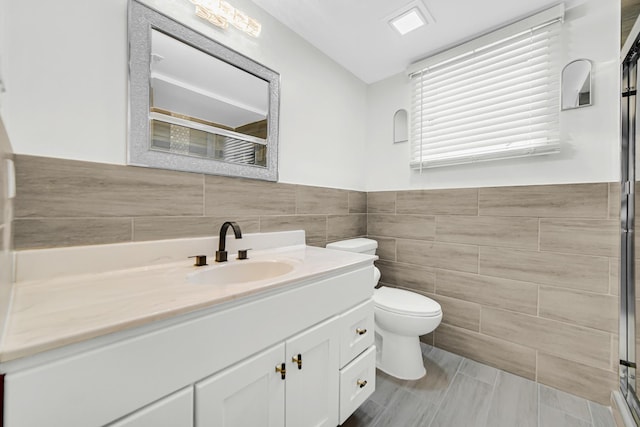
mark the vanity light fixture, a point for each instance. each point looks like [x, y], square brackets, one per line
[408, 21]
[220, 13]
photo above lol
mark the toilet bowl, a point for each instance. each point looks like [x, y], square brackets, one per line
[400, 316]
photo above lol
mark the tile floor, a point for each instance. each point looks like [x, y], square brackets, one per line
[458, 392]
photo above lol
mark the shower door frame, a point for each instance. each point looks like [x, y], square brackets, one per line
[629, 110]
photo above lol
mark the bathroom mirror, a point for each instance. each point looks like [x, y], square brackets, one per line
[400, 126]
[576, 84]
[196, 105]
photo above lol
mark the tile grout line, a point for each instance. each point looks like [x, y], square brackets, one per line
[395, 250]
[493, 396]
[593, 423]
[326, 228]
[444, 397]
[204, 195]
[610, 278]
[541, 252]
[612, 351]
[395, 202]
[366, 208]
[435, 283]
[609, 201]
[538, 390]
[377, 417]
[562, 322]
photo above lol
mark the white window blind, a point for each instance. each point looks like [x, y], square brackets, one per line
[494, 97]
[239, 151]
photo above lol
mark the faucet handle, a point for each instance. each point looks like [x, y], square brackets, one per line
[221, 256]
[242, 253]
[201, 260]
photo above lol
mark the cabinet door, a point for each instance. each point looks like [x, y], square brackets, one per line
[312, 388]
[250, 393]
[174, 410]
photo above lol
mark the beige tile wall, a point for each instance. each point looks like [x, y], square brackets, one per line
[526, 276]
[68, 203]
[6, 217]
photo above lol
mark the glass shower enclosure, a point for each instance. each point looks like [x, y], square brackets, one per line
[629, 342]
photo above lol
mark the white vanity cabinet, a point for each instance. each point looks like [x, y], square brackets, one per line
[254, 393]
[225, 355]
[329, 371]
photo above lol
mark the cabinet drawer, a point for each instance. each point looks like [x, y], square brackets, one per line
[174, 410]
[357, 382]
[356, 331]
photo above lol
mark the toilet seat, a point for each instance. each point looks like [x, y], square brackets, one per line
[406, 303]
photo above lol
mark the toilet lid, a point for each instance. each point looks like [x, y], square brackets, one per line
[405, 302]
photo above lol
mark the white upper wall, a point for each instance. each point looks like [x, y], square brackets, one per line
[590, 136]
[66, 76]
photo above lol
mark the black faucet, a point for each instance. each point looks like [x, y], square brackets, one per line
[221, 254]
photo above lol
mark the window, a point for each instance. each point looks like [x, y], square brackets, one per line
[494, 97]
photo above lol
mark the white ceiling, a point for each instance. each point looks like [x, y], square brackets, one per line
[356, 33]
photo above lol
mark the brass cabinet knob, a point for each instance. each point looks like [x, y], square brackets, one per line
[360, 331]
[282, 369]
[362, 383]
[297, 360]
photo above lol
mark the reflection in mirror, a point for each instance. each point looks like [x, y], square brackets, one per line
[629, 11]
[400, 126]
[576, 84]
[223, 118]
[196, 105]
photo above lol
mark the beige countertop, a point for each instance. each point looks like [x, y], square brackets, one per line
[50, 313]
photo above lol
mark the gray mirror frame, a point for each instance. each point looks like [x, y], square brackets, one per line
[562, 78]
[141, 20]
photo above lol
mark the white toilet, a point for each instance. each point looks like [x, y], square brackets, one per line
[400, 318]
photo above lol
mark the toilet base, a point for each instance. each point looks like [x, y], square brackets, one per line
[399, 356]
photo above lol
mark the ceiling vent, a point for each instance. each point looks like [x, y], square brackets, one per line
[410, 17]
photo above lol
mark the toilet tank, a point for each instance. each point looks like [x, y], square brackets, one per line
[359, 245]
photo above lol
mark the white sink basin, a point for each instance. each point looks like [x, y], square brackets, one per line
[240, 272]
